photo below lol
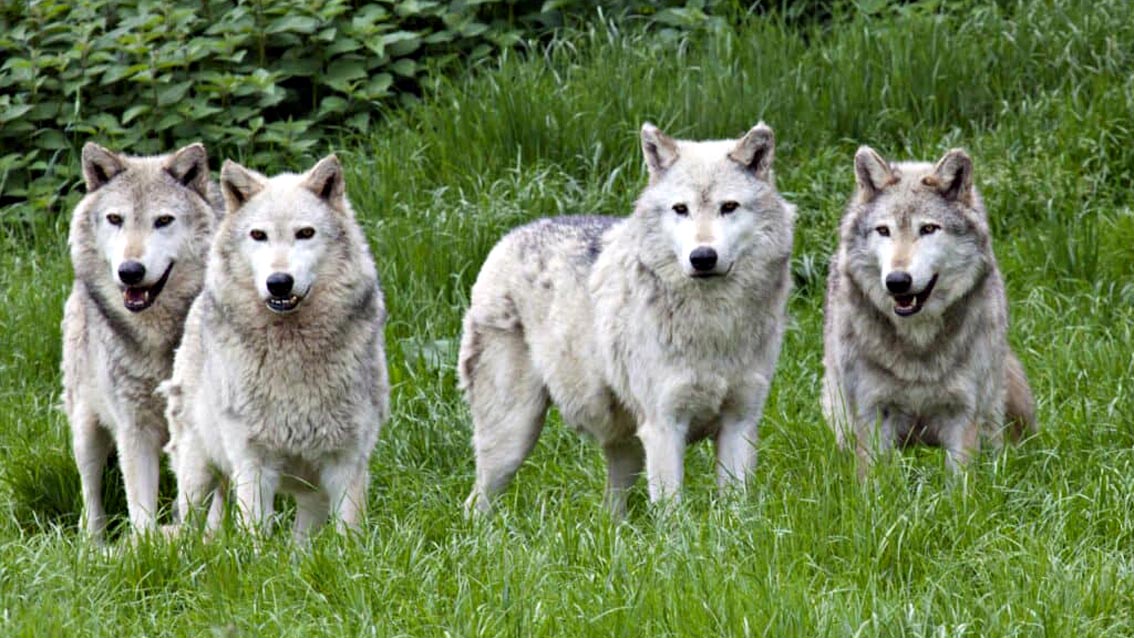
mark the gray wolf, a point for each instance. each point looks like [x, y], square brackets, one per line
[915, 336]
[139, 240]
[648, 332]
[280, 382]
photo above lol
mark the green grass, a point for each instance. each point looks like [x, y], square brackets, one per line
[1037, 541]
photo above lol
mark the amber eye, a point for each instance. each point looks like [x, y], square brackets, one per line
[305, 233]
[163, 221]
[929, 229]
[729, 207]
[883, 230]
[114, 219]
[258, 235]
[681, 209]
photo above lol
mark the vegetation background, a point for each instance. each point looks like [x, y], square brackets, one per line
[459, 120]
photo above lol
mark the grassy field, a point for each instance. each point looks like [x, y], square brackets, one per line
[1037, 541]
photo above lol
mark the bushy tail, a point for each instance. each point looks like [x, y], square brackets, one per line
[1020, 405]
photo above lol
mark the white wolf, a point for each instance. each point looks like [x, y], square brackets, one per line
[916, 320]
[138, 241]
[648, 332]
[280, 381]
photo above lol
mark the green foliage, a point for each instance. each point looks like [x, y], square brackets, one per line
[261, 79]
[264, 81]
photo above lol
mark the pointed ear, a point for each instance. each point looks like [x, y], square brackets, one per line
[953, 177]
[872, 173]
[238, 185]
[756, 150]
[325, 179]
[660, 151]
[100, 166]
[190, 166]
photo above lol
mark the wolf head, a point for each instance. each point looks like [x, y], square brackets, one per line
[709, 204]
[144, 222]
[916, 233]
[280, 234]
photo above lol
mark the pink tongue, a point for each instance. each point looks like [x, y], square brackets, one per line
[135, 295]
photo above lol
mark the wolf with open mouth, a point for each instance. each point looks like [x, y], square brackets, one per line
[139, 240]
[916, 326]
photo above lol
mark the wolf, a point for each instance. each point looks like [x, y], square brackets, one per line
[281, 380]
[138, 241]
[915, 331]
[648, 332]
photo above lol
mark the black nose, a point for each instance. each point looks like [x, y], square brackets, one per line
[280, 283]
[899, 282]
[131, 272]
[703, 258]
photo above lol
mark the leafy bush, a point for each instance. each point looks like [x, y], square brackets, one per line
[261, 80]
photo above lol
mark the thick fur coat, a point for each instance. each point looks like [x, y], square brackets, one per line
[916, 343]
[649, 332]
[282, 386]
[139, 240]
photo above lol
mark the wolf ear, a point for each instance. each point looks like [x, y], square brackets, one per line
[238, 185]
[953, 177]
[325, 179]
[190, 166]
[872, 173]
[660, 150]
[756, 150]
[100, 166]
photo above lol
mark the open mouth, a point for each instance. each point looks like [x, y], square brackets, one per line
[138, 298]
[283, 305]
[909, 305]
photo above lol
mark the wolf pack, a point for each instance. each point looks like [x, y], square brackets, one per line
[238, 327]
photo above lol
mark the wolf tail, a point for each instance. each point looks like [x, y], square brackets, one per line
[1020, 405]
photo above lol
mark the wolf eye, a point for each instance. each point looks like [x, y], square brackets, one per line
[258, 235]
[114, 219]
[883, 230]
[681, 209]
[729, 207]
[163, 221]
[929, 229]
[305, 233]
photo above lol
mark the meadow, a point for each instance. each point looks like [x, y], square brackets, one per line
[1036, 540]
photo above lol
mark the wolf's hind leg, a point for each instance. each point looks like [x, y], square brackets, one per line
[508, 402]
[1020, 405]
[91, 445]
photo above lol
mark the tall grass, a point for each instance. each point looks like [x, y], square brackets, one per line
[1033, 542]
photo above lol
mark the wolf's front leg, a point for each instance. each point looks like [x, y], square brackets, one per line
[139, 455]
[737, 437]
[91, 444]
[960, 436]
[623, 465]
[346, 485]
[256, 486]
[664, 443]
[876, 434]
[736, 451]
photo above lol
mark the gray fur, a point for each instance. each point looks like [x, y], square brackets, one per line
[602, 317]
[114, 359]
[945, 374]
[282, 401]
